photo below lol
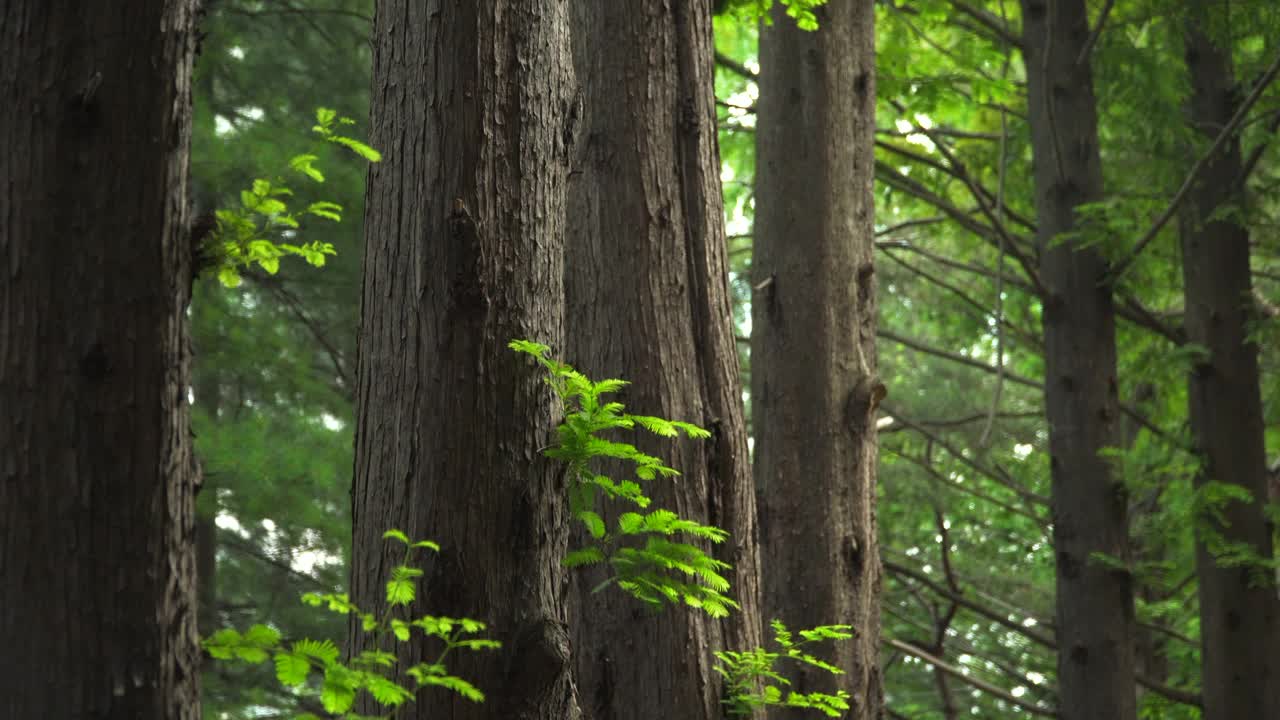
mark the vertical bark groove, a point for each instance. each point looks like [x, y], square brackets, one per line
[1239, 616]
[813, 354]
[1095, 621]
[464, 252]
[97, 481]
[647, 297]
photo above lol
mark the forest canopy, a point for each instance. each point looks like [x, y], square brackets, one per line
[909, 359]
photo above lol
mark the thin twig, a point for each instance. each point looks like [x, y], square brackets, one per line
[1228, 131]
[1087, 49]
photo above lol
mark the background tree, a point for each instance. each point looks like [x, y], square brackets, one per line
[1094, 618]
[96, 505]
[464, 251]
[1239, 610]
[274, 359]
[648, 300]
[968, 599]
[815, 390]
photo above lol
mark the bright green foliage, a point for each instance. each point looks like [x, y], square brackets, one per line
[753, 679]
[799, 10]
[1209, 503]
[244, 234]
[305, 664]
[647, 562]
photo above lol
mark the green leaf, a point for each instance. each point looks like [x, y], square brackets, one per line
[229, 277]
[396, 535]
[583, 556]
[386, 692]
[292, 669]
[630, 523]
[456, 684]
[262, 636]
[400, 592]
[594, 523]
[356, 147]
[322, 650]
[327, 210]
[400, 629]
[326, 116]
[336, 697]
[304, 164]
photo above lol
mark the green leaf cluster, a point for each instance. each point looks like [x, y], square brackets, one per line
[758, 10]
[246, 235]
[642, 553]
[316, 665]
[753, 680]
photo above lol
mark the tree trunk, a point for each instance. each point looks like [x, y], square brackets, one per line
[97, 483]
[648, 300]
[1095, 623]
[1239, 613]
[814, 386]
[464, 251]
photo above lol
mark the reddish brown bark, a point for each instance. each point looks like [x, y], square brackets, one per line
[648, 300]
[464, 252]
[813, 350]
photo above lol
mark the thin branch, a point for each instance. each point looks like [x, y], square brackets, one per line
[955, 357]
[1087, 49]
[946, 482]
[735, 67]
[1007, 279]
[1256, 154]
[978, 683]
[1029, 338]
[235, 543]
[996, 475]
[1228, 131]
[958, 169]
[995, 616]
[985, 437]
[987, 19]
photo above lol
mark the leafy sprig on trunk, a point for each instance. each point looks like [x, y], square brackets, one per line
[643, 552]
[316, 664]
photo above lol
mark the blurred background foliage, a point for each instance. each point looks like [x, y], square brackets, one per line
[964, 475]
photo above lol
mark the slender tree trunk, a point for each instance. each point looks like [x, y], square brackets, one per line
[464, 251]
[97, 575]
[1150, 646]
[647, 300]
[1239, 613]
[1095, 623]
[814, 386]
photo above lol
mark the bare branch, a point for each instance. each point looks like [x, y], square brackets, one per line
[978, 683]
[1227, 132]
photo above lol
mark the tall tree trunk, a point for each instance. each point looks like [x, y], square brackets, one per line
[648, 300]
[464, 251]
[814, 386]
[1239, 613]
[1095, 622]
[97, 483]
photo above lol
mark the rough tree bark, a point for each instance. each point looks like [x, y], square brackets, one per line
[464, 251]
[814, 386]
[1239, 612]
[648, 300]
[97, 483]
[1095, 621]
